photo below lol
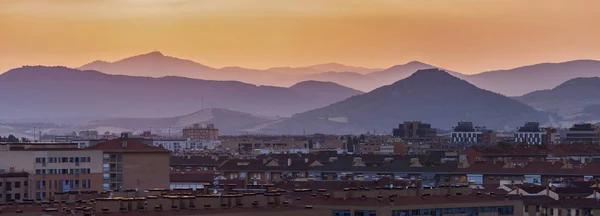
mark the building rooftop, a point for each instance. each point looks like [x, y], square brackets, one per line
[126, 145]
[13, 174]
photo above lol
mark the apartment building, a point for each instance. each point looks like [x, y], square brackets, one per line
[57, 168]
[583, 134]
[199, 132]
[130, 164]
[54, 167]
[415, 131]
[466, 133]
[14, 186]
[183, 145]
[264, 145]
[532, 134]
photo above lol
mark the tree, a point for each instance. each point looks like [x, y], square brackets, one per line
[12, 138]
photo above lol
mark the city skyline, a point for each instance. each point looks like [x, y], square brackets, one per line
[464, 36]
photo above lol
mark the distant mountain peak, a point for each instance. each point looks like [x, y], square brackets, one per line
[309, 83]
[431, 72]
[150, 55]
[154, 53]
[415, 63]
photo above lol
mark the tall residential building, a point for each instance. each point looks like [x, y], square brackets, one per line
[200, 133]
[415, 131]
[532, 134]
[131, 164]
[583, 133]
[466, 133]
[116, 164]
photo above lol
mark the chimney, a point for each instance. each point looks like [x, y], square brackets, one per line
[124, 144]
[289, 162]
[11, 170]
[414, 162]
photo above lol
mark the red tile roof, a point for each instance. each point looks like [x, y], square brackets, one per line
[400, 201]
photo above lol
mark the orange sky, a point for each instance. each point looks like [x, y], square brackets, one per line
[467, 36]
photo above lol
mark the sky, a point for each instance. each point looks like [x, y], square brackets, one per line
[467, 36]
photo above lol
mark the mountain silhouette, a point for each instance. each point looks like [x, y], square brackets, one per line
[376, 79]
[429, 95]
[38, 91]
[522, 80]
[575, 99]
[156, 64]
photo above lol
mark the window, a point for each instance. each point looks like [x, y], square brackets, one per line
[365, 213]
[64, 160]
[40, 185]
[340, 212]
[8, 184]
[86, 183]
[17, 196]
[17, 184]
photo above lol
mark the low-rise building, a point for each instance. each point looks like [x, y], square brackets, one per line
[14, 186]
[531, 134]
[415, 131]
[583, 134]
[466, 133]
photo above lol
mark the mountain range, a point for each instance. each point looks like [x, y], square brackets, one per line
[510, 82]
[37, 91]
[523, 80]
[429, 95]
[575, 100]
[156, 64]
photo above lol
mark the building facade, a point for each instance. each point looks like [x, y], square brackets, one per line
[466, 133]
[198, 132]
[531, 134]
[583, 134]
[14, 186]
[130, 164]
[58, 168]
[415, 130]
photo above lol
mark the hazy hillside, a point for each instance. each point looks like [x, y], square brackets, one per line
[576, 99]
[522, 80]
[431, 95]
[376, 79]
[227, 121]
[38, 92]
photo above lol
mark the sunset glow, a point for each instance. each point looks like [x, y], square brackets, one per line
[467, 36]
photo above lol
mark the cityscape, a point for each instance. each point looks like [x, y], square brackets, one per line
[299, 108]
